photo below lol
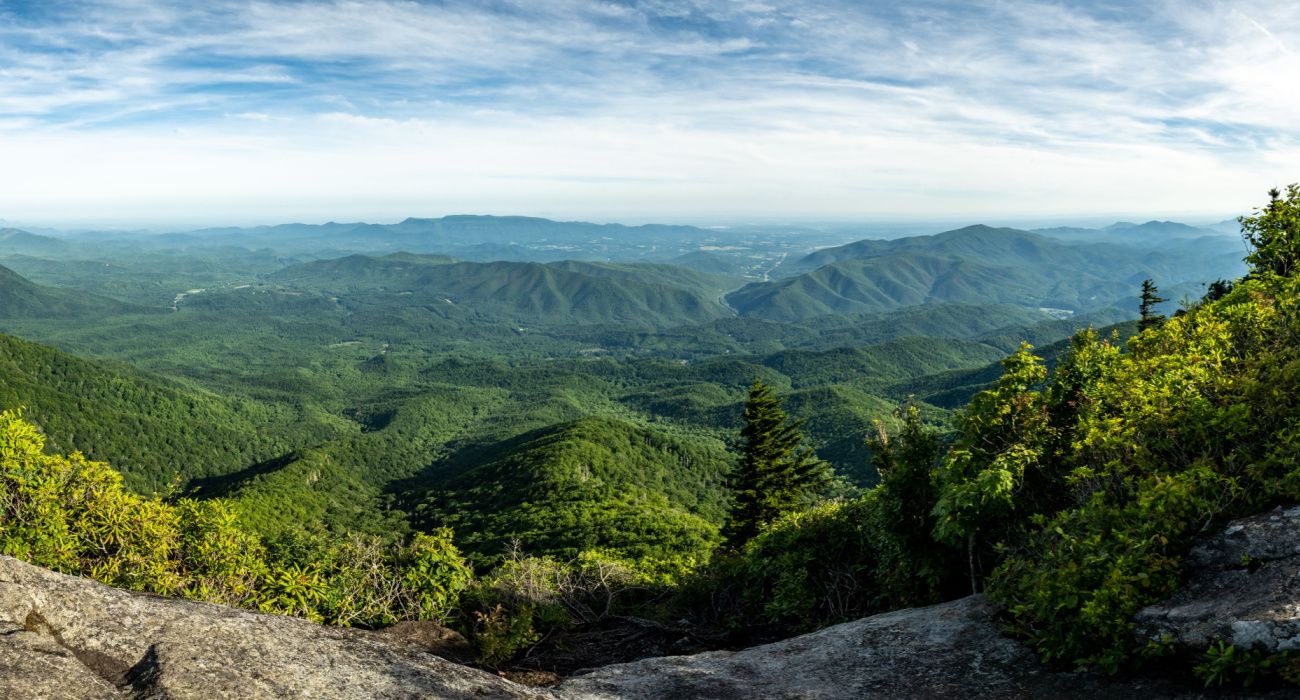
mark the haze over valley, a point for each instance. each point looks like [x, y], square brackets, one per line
[420, 343]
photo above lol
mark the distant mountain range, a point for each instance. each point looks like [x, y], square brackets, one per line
[480, 238]
[1151, 233]
[489, 265]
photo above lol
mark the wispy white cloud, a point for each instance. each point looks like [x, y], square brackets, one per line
[671, 107]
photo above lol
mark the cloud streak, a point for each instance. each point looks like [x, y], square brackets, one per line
[654, 109]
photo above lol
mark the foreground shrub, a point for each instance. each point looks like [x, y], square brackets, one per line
[1198, 423]
[74, 516]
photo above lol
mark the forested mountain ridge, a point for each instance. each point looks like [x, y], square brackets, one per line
[489, 238]
[155, 430]
[588, 484]
[1005, 246]
[22, 298]
[524, 292]
[979, 263]
[17, 241]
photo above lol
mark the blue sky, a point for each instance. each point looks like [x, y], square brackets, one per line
[670, 110]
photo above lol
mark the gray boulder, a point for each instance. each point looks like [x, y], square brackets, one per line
[69, 637]
[952, 650]
[1243, 587]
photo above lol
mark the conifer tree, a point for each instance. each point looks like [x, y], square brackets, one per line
[1217, 290]
[1150, 297]
[775, 474]
[912, 567]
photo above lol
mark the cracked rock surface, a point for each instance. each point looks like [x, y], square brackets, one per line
[951, 650]
[33, 665]
[1243, 587]
[69, 637]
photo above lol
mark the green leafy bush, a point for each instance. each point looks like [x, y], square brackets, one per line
[1226, 664]
[73, 515]
[1196, 424]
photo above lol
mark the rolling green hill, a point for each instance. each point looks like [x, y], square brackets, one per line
[22, 298]
[953, 389]
[588, 484]
[18, 242]
[152, 429]
[521, 293]
[886, 283]
[978, 264]
[399, 271]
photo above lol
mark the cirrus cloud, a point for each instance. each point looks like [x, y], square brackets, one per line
[129, 110]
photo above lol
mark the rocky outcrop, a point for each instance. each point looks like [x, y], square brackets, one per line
[1243, 587]
[952, 650]
[68, 637]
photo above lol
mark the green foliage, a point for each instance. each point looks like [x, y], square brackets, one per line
[155, 430]
[809, 568]
[1001, 436]
[73, 515]
[528, 598]
[1226, 664]
[500, 634]
[1273, 234]
[910, 566]
[774, 475]
[1194, 425]
[842, 559]
[591, 484]
[1075, 585]
[1217, 290]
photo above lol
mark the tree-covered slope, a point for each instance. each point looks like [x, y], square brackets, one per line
[153, 429]
[22, 298]
[885, 283]
[399, 271]
[18, 242]
[523, 293]
[978, 264]
[953, 389]
[594, 483]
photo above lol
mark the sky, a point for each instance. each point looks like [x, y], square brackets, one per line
[252, 111]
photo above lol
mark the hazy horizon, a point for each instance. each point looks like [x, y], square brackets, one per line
[867, 226]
